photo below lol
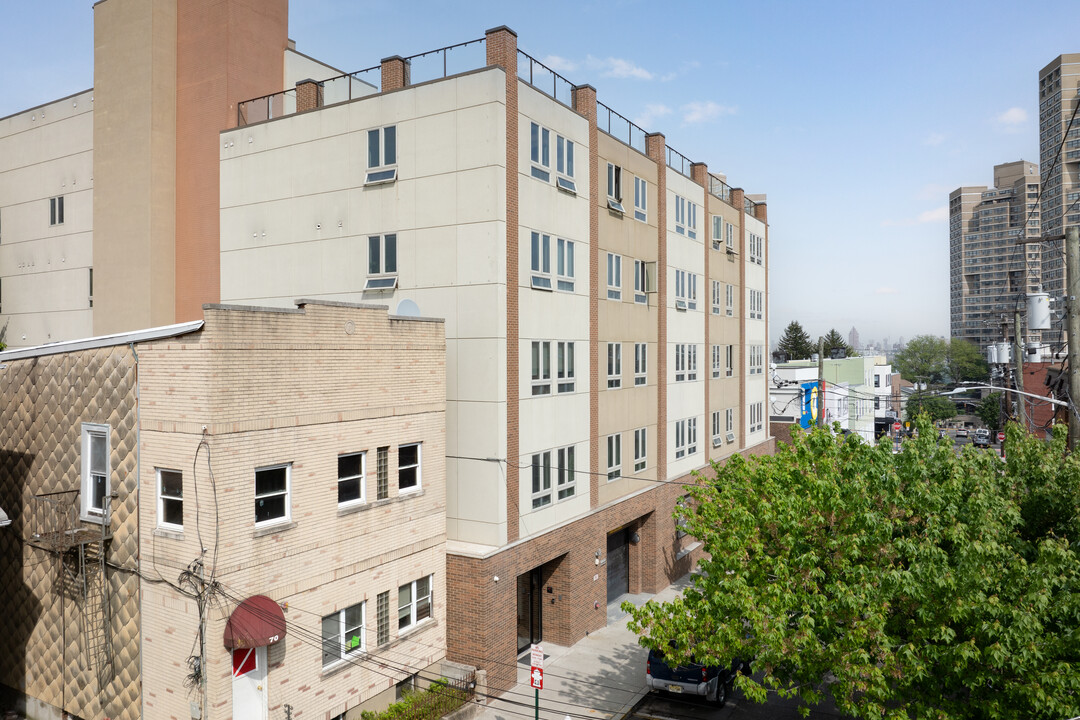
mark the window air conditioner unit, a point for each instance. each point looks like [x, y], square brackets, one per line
[731, 437]
[717, 441]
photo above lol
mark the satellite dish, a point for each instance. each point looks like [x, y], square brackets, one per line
[407, 308]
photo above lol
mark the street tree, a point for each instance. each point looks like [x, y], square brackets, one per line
[989, 411]
[923, 584]
[938, 408]
[796, 342]
[922, 360]
[964, 362]
[835, 341]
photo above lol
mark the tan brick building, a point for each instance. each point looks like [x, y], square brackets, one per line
[290, 459]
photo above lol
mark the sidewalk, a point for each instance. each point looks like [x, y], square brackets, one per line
[601, 676]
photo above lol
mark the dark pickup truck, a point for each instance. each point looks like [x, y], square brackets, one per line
[714, 683]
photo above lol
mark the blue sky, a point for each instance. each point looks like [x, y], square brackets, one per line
[855, 118]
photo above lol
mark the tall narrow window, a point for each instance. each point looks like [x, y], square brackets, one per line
[614, 365]
[541, 367]
[614, 276]
[170, 499]
[729, 300]
[640, 281]
[691, 362]
[90, 282]
[382, 473]
[729, 361]
[614, 187]
[691, 220]
[565, 479]
[717, 439]
[382, 618]
[56, 210]
[540, 152]
[564, 369]
[716, 360]
[641, 369]
[382, 155]
[565, 265]
[564, 164]
[614, 456]
[717, 232]
[408, 467]
[541, 479]
[540, 261]
[716, 297]
[641, 199]
[382, 262]
[640, 449]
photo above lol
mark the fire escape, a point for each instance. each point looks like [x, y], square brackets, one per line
[79, 547]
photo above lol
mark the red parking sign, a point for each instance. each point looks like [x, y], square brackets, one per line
[536, 678]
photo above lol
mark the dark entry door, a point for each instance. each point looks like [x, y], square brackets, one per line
[618, 564]
[529, 609]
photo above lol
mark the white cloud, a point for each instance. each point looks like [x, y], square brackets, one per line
[651, 114]
[885, 291]
[619, 68]
[1013, 120]
[938, 214]
[559, 64]
[699, 112]
[934, 139]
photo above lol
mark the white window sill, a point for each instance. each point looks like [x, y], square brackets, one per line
[173, 533]
[410, 491]
[264, 530]
[346, 662]
[416, 627]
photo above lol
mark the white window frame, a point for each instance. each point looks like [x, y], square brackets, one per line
[691, 362]
[729, 361]
[564, 265]
[717, 232]
[540, 477]
[757, 359]
[340, 642]
[680, 214]
[641, 364]
[691, 219]
[381, 276]
[163, 498]
[729, 299]
[757, 248]
[56, 210]
[414, 604]
[540, 260]
[717, 436]
[685, 437]
[540, 152]
[88, 511]
[641, 449]
[680, 362]
[564, 164]
[382, 166]
[729, 420]
[716, 362]
[418, 484]
[614, 276]
[614, 365]
[564, 366]
[729, 236]
[641, 282]
[614, 188]
[287, 493]
[565, 473]
[641, 199]
[614, 456]
[540, 367]
[361, 479]
[716, 297]
[680, 290]
[691, 291]
[756, 416]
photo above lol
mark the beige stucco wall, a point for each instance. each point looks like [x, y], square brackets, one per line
[46, 152]
[756, 333]
[134, 164]
[724, 330]
[299, 387]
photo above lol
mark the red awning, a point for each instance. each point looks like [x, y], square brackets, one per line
[256, 622]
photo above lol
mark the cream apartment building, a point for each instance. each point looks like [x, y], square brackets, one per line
[277, 472]
[574, 258]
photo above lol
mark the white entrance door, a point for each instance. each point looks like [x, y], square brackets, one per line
[249, 684]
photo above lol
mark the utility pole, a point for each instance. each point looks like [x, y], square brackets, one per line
[821, 380]
[1072, 277]
[1018, 361]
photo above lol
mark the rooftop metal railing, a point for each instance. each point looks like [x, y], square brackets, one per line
[447, 61]
[720, 189]
[678, 162]
[749, 206]
[620, 127]
[544, 79]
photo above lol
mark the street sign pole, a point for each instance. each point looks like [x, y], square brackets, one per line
[537, 716]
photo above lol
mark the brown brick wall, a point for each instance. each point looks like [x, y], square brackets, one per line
[394, 73]
[656, 149]
[309, 95]
[737, 199]
[501, 44]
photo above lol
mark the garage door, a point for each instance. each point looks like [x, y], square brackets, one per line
[618, 565]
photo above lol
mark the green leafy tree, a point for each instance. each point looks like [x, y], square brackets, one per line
[835, 341]
[923, 584]
[989, 411]
[922, 359]
[796, 342]
[965, 362]
[938, 408]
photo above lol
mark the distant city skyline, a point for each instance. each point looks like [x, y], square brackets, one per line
[849, 117]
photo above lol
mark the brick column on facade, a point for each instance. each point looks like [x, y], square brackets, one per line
[309, 95]
[738, 199]
[501, 46]
[584, 100]
[395, 73]
[699, 173]
[656, 150]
